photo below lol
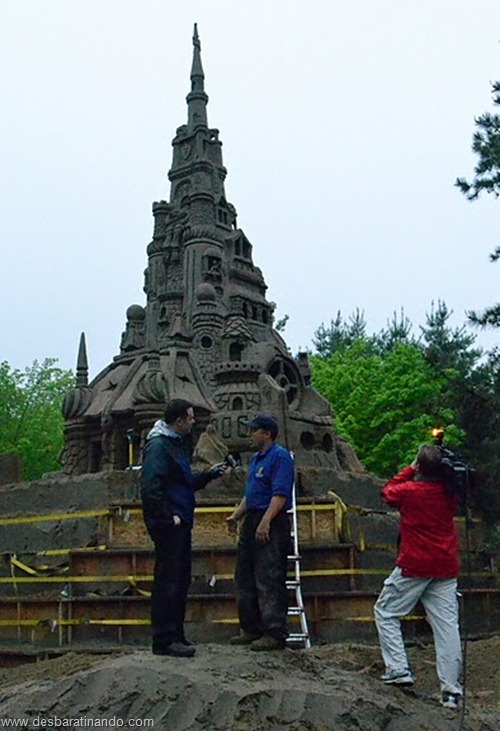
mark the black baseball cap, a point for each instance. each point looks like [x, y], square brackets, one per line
[264, 421]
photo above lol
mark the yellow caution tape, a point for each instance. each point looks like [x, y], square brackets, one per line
[407, 618]
[108, 621]
[55, 516]
[462, 519]
[233, 620]
[142, 592]
[314, 507]
[58, 551]
[341, 514]
[337, 506]
[69, 579]
[200, 509]
[15, 562]
[34, 572]
[23, 622]
[69, 622]
[219, 577]
[214, 509]
[362, 542]
[345, 572]
[324, 572]
[368, 618]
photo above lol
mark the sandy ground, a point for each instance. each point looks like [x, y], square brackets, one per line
[233, 689]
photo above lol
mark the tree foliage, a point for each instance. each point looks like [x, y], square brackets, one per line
[486, 145]
[477, 396]
[389, 389]
[384, 404]
[449, 350]
[31, 422]
[341, 334]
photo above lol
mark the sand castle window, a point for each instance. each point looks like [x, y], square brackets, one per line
[235, 350]
[95, 457]
[327, 443]
[286, 376]
[307, 439]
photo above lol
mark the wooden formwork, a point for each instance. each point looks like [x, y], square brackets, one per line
[318, 522]
[85, 622]
[91, 597]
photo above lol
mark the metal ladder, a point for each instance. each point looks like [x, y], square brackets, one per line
[298, 609]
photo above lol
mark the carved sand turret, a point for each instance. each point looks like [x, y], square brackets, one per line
[205, 333]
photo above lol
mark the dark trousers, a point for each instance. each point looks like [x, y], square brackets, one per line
[260, 576]
[172, 576]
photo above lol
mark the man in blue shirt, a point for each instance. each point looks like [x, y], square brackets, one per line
[167, 491]
[264, 543]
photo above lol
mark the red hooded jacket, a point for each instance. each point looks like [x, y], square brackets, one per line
[429, 543]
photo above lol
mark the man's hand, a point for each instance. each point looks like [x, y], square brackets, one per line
[235, 517]
[217, 470]
[176, 519]
[262, 532]
[232, 525]
[276, 505]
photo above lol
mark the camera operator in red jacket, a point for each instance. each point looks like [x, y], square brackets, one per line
[426, 571]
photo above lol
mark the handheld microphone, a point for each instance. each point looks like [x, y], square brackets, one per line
[233, 459]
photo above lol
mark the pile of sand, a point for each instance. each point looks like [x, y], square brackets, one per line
[233, 689]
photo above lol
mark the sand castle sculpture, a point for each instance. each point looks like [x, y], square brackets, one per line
[205, 333]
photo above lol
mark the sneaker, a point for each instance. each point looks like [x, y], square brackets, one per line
[450, 700]
[398, 677]
[268, 643]
[176, 649]
[244, 638]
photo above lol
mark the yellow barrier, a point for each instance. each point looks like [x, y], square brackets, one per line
[130, 578]
[56, 551]
[68, 579]
[145, 622]
[54, 516]
[337, 506]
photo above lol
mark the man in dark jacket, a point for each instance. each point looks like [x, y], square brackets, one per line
[426, 570]
[167, 490]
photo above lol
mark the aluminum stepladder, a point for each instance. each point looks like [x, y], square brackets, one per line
[298, 609]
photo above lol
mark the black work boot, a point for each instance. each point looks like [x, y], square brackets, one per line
[244, 638]
[176, 649]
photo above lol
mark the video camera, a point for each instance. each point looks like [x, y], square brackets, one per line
[458, 475]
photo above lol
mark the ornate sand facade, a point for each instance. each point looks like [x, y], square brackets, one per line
[205, 334]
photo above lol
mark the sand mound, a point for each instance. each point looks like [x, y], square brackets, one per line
[233, 689]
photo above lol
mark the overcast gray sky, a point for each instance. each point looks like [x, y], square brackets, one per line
[344, 124]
